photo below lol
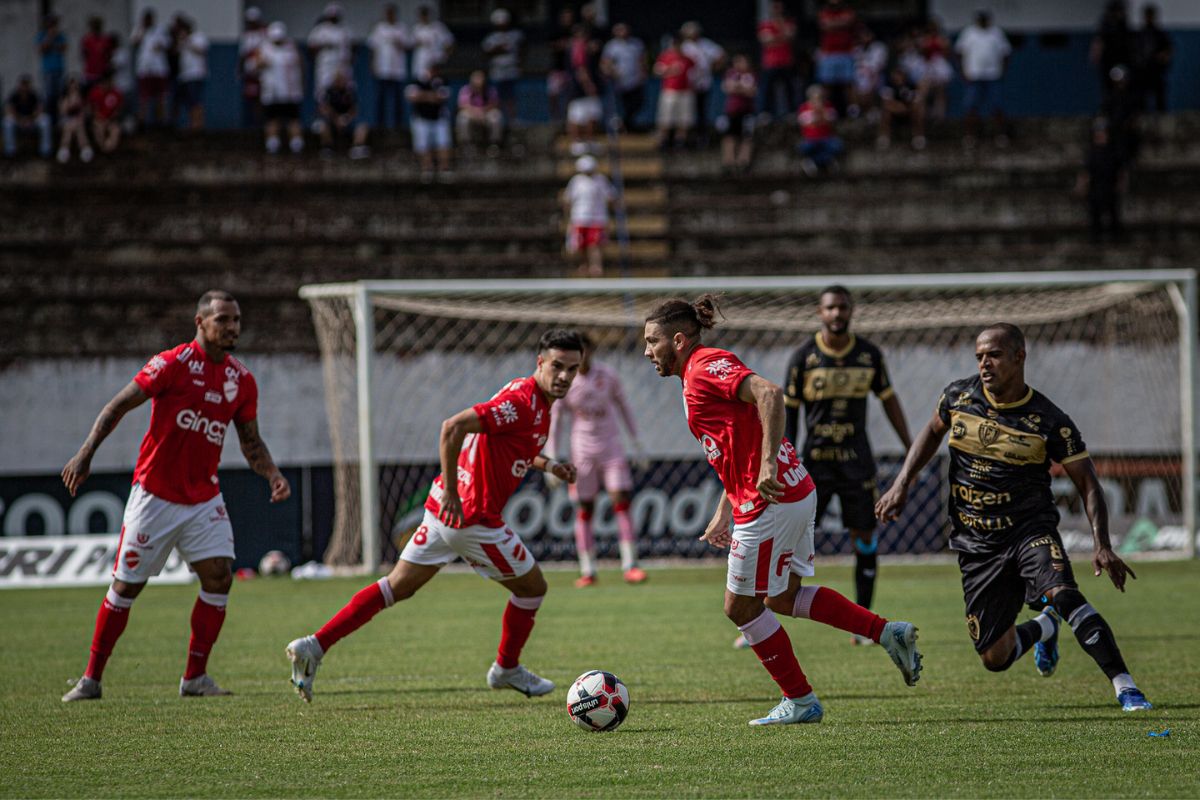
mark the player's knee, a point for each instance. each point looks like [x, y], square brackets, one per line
[1066, 600]
[127, 590]
[995, 660]
[780, 604]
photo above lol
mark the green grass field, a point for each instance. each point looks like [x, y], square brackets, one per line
[402, 709]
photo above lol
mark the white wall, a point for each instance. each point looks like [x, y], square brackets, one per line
[1060, 15]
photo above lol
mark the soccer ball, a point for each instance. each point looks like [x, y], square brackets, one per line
[274, 562]
[597, 701]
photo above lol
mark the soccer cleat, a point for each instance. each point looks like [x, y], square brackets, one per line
[899, 639]
[862, 641]
[793, 712]
[519, 678]
[1130, 699]
[305, 654]
[1045, 654]
[84, 689]
[635, 575]
[740, 642]
[202, 686]
[584, 581]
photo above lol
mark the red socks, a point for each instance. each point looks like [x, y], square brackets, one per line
[208, 615]
[111, 620]
[368, 602]
[824, 605]
[515, 628]
[771, 644]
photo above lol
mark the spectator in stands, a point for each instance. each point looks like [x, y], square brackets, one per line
[24, 112]
[330, 44]
[936, 71]
[819, 144]
[432, 42]
[983, 50]
[1102, 182]
[585, 108]
[900, 101]
[96, 50]
[105, 102]
[1152, 60]
[558, 82]
[586, 201]
[479, 113]
[1121, 110]
[870, 66]
[151, 43]
[279, 70]
[737, 124]
[707, 57]
[503, 50]
[123, 79]
[52, 50]
[254, 33]
[71, 110]
[676, 100]
[193, 71]
[589, 18]
[389, 42]
[338, 120]
[835, 54]
[623, 61]
[1113, 43]
[428, 99]
[777, 34]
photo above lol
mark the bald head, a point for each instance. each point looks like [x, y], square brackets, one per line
[1007, 335]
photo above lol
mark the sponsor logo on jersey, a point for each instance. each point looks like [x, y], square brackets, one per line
[964, 399]
[196, 367]
[864, 359]
[143, 538]
[504, 413]
[213, 397]
[1065, 432]
[132, 559]
[231, 390]
[979, 499]
[746, 506]
[973, 627]
[521, 466]
[464, 476]
[711, 451]
[720, 369]
[194, 421]
[154, 366]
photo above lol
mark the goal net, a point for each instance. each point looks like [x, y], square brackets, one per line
[1114, 350]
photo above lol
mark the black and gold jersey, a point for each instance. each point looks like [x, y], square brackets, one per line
[1000, 456]
[833, 386]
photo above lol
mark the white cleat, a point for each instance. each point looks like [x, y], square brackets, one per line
[802, 710]
[202, 686]
[305, 654]
[84, 689]
[899, 640]
[519, 678]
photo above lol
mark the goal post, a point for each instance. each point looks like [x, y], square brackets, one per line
[1115, 349]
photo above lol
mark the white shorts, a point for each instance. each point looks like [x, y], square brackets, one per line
[152, 526]
[584, 110]
[495, 553]
[612, 472]
[765, 552]
[430, 134]
[676, 109]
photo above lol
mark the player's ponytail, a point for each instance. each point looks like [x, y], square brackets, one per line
[690, 318]
[706, 309]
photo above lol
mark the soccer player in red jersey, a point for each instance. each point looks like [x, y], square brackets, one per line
[489, 447]
[769, 499]
[196, 389]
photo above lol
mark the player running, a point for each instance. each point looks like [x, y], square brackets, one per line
[196, 390]
[1004, 525]
[595, 402]
[489, 447]
[769, 498]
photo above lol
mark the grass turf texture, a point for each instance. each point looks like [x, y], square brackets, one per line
[401, 707]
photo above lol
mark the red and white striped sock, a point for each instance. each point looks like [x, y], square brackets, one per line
[515, 627]
[111, 620]
[771, 644]
[365, 604]
[822, 604]
[208, 615]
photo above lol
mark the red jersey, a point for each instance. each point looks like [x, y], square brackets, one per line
[775, 56]
[516, 425]
[97, 50]
[105, 103]
[677, 66]
[837, 29]
[816, 124]
[731, 434]
[193, 400]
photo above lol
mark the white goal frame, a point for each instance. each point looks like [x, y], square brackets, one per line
[1180, 285]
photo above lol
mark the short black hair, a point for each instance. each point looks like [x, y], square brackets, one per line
[560, 339]
[205, 303]
[837, 288]
[1010, 334]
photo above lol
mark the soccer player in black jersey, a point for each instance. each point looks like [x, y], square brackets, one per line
[1004, 525]
[831, 375]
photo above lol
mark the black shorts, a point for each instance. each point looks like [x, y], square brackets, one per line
[996, 585]
[858, 496]
[284, 112]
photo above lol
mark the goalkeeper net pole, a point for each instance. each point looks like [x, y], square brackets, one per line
[1115, 350]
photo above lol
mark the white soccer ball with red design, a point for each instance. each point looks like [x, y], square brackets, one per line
[274, 562]
[598, 701]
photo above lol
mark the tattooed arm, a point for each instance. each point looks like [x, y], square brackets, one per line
[259, 458]
[80, 466]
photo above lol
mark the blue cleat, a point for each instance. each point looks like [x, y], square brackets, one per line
[1133, 700]
[899, 640]
[794, 712]
[1045, 654]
